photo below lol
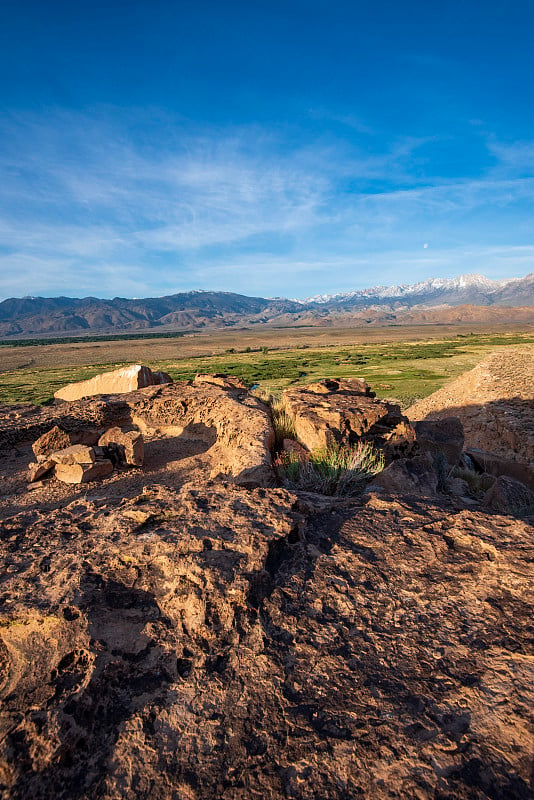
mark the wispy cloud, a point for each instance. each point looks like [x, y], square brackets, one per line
[92, 205]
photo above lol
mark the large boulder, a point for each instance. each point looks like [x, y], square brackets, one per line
[345, 412]
[236, 425]
[508, 496]
[120, 381]
[409, 476]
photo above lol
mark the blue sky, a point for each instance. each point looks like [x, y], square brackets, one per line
[270, 148]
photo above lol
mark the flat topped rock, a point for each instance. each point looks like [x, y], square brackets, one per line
[77, 454]
[83, 473]
[120, 381]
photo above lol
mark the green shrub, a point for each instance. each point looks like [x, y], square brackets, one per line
[334, 470]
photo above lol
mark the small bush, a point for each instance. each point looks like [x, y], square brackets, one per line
[334, 470]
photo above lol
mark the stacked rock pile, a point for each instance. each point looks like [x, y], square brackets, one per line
[83, 456]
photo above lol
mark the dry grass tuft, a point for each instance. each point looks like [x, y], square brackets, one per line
[336, 470]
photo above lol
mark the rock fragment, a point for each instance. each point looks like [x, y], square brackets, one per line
[127, 448]
[38, 470]
[58, 439]
[83, 473]
[76, 454]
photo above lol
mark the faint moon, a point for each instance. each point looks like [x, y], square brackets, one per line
[425, 245]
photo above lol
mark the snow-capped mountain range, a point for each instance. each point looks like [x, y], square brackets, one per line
[436, 299]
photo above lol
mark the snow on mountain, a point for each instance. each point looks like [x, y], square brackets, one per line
[427, 288]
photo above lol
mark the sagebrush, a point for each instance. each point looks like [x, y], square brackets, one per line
[334, 470]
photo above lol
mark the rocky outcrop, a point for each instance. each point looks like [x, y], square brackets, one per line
[164, 635]
[346, 411]
[120, 381]
[213, 642]
[235, 426]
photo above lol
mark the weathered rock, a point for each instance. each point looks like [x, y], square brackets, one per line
[236, 425]
[409, 476]
[120, 381]
[443, 437]
[208, 642]
[510, 497]
[76, 454]
[345, 412]
[75, 472]
[58, 439]
[40, 469]
[126, 447]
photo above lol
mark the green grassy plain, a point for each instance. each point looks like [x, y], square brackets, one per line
[401, 363]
